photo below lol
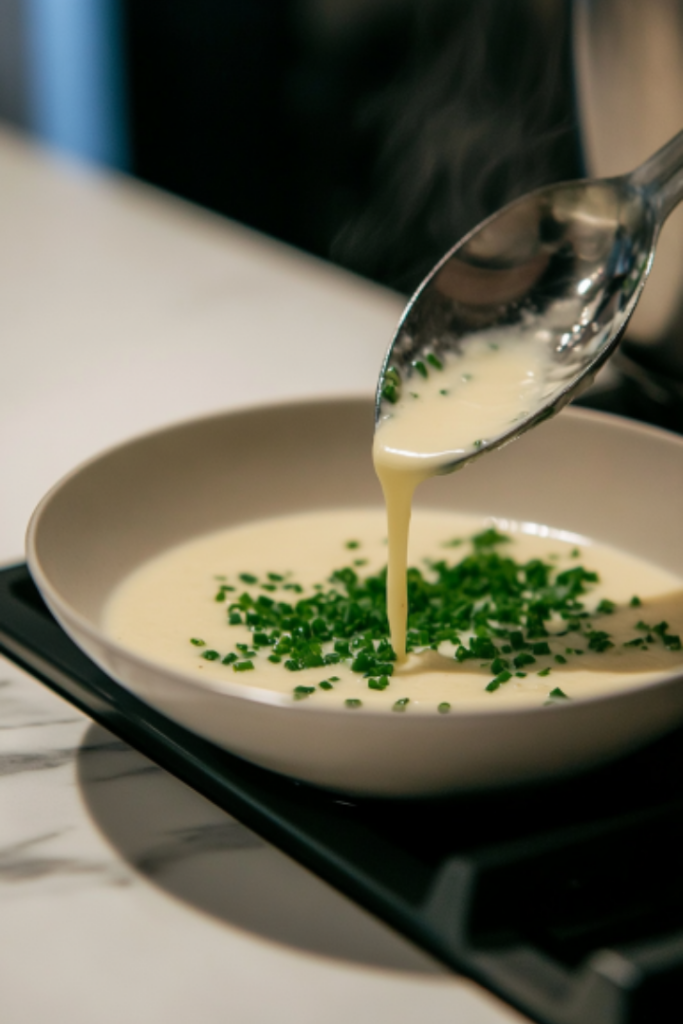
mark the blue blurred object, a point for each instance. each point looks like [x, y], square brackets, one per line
[75, 70]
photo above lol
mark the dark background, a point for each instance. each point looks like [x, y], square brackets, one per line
[370, 132]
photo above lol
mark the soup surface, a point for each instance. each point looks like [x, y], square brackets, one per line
[500, 614]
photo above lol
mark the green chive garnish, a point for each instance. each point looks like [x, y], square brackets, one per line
[486, 608]
[501, 678]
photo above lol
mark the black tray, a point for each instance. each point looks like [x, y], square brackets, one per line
[566, 900]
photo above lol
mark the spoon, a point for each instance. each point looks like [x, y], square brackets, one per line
[565, 264]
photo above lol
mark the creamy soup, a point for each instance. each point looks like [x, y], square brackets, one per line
[450, 407]
[190, 609]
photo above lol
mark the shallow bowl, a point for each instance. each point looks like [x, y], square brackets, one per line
[591, 474]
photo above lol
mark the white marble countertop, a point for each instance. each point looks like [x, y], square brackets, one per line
[124, 895]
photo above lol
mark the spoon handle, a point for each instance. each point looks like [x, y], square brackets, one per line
[661, 178]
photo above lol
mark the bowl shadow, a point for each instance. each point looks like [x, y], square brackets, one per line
[182, 843]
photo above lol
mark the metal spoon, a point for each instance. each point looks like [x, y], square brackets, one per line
[570, 260]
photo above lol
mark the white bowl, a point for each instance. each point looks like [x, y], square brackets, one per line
[596, 475]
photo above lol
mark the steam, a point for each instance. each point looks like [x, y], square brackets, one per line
[482, 113]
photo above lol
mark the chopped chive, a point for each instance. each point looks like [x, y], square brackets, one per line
[401, 704]
[544, 672]
[444, 708]
[444, 391]
[598, 640]
[501, 678]
[390, 392]
[635, 602]
[434, 361]
[352, 702]
[420, 367]
[493, 610]
[557, 692]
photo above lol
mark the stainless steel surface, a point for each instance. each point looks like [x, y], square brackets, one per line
[568, 261]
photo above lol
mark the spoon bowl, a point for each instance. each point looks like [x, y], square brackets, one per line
[566, 264]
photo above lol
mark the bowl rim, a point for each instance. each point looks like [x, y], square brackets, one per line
[271, 698]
